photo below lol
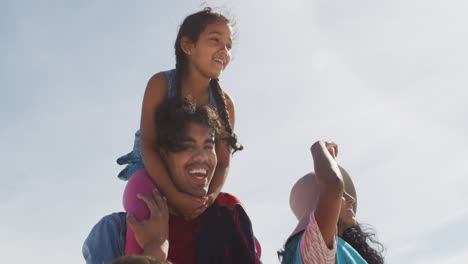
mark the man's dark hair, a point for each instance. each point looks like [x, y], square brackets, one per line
[173, 117]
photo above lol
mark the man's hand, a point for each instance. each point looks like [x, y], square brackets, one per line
[152, 234]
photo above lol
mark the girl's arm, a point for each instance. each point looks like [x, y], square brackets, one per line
[331, 187]
[223, 152]
[155, 94]
[317, 245]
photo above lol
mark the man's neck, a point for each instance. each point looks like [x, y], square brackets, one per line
[173, 212]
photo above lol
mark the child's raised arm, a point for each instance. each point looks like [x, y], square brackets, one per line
[331, 187]
[319, 194]
[155, 94]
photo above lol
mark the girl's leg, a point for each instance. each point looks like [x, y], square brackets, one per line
[140, 182]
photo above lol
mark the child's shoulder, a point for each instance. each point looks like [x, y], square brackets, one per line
[159, 83]
[160, 77]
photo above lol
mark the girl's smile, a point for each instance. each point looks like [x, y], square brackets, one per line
[211, 54]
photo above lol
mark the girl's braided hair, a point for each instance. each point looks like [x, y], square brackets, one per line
[191, 28]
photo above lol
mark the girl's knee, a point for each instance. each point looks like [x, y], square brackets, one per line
[140, 182]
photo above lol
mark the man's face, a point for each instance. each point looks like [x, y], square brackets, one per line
[192, 168]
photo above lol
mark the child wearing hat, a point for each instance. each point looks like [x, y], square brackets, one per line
[324, 202]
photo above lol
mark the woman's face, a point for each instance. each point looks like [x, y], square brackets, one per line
[347, 217]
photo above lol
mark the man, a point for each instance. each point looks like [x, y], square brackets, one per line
[222, 234]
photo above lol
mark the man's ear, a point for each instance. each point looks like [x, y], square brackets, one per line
[186, 45]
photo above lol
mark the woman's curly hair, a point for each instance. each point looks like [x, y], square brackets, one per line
[173, 117]
[360, 237]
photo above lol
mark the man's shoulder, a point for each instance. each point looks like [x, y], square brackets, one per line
[112, 223]
[228, 200]
[106, 241]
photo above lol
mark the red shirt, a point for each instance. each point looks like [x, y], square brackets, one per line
[182, 240]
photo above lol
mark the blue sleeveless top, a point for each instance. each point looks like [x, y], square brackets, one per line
[133, 159]
[345, 253]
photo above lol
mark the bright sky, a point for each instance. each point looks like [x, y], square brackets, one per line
[386, 80]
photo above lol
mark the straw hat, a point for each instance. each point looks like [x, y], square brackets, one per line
[304, 193]
[349, 186]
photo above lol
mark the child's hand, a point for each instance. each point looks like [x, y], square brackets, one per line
[208, 201]
[321, 147]
[332, 148]
[152, 234]
[190, 207]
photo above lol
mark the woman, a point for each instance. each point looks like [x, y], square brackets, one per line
[325, 206]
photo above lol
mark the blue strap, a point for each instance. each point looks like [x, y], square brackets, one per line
[170, 75]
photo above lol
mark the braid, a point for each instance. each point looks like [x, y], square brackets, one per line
[191, 28]
[180, 68]
[220, 99]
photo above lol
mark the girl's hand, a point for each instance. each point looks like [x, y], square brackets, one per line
[190, 207]
[208, 201]
[319, 148]
[332, 148]
[152, 234]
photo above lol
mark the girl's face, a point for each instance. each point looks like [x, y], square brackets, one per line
[347, 217]
[211, 54]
